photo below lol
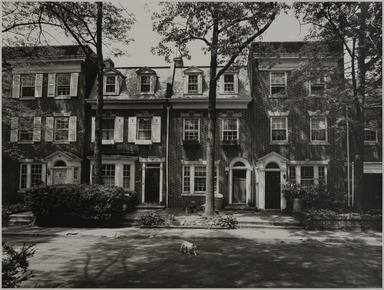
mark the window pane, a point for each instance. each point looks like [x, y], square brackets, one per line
[26, 129]
[191, 129]
[144, 129]
[229, 81]
[230, 129]
[28, 85]
[108, 129]
[61, 129]
[370, 135]
[110, 84]
[192, 83]
[279, 129]
[319, 128]
[23, 176]
[36, 174]
[187, 179]
[108, 174]
[127, 176]
[322, 175]
[307, 177]
[200, 179]
[292, 174]
[63, 84]
[145, 84]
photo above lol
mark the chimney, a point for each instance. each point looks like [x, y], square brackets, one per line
[178, 62]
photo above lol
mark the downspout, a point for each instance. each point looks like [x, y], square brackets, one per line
[350, 201]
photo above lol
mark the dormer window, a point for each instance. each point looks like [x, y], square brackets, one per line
[110, 84]
[145, 84]
[229, 83]
[147, 80]
[193, 81]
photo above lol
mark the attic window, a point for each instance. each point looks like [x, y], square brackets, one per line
[111, 85]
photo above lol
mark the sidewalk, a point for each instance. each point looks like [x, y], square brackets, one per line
[278, 234]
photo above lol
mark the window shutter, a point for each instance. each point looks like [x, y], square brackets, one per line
[119, 129]
[74, 84]
[200, 83]
[93, 128]
[39, 85]
[156, 129]
[36, 129]
[49, 129]
[236, 83]
[51, 85]
[14, 129]
[117, 84]
[16, 86]
[72, 129]
[152, 87]
[132, 129]
[221, 89]
[186, 83]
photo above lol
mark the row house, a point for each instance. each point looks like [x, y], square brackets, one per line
[46, 87]
[272, 128]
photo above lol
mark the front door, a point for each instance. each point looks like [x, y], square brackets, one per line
[152, 183]
[272, 189]
[373, 191]
[239, 190]
[59, 176]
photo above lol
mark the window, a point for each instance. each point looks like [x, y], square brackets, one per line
[370, 133]
[191, 129]
[278, 83]
[127, 176]
[31, 174]
[26, 129]
[279, 129]
[61, 128]
[195, 179]
[145, 84]
[193, 86]
[292, 174]
[318, 129]
[110, 84]
[108, 174]
[28, 85]
[229, 83]
[317, 85]
[63, 84]
[322, 178]
[307, 175]
[108, 129]
[230, 129]
[144, 131]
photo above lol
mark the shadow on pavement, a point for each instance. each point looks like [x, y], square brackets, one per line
[157, 263]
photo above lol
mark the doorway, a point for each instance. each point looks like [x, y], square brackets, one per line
[272, 189]
[60, 172]
[239, 184]
[152, 183]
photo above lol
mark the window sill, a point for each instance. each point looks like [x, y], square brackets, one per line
[22, 191]
[143, 142]
[278, 96]
[193, 194]
[61, 142]
[62, 98]
[278, 143]
[371, 143]
[110, 94]
[146, 93]
[229, 93]
[193, 93]
[319, 143]
[27, 98]
[107, 142]
[25, 142]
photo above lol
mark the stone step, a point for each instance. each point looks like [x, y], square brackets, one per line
[22, 218]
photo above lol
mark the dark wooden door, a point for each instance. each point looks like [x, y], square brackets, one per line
[152, 184]
[373, 191]
[272, 189]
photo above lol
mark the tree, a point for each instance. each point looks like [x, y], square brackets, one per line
[84, 22]
[358, 26]
[226, 29]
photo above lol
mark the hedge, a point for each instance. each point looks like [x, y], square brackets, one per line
[69, 204]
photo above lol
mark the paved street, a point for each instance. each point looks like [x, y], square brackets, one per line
[243, 260]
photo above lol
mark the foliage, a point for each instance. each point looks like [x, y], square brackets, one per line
[15, 265]
[8, 209]
[227, 222]
[293, 190]
[131, 199]
[150, 219]
[326, 214]
[92, 205]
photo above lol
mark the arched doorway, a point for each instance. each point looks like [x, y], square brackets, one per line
[272, 186]
[239, 181]
[59, 172]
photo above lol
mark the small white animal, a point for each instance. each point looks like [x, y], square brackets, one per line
[187, 247]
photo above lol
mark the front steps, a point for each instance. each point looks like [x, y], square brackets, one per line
[20, 219]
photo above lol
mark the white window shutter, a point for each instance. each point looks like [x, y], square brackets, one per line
[51, 85]
[49, 129]
[119, 129]
[236, 83]
[117, 84]
[14, 129]
[152, 86]
[156, 129]
[38, 85]
[36, 129]
[72, 129]
[132, 129]
[93, 129]
[200, 83]
[16, 86]
[186, 79]
[221, 84]
[74, 84]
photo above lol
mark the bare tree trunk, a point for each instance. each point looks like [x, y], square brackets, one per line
[210, 195]
[99, 104]
[359, 112]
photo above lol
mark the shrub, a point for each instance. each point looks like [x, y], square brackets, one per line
[293, 190]
[131, 199]
[15, 265]
[8, 209]
[69, 204]
[150, 219]
[227, 222]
